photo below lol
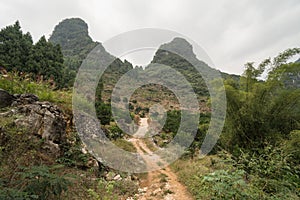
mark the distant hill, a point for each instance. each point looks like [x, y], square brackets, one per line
[165, 56]
[298, 61]
[183, 47]
[73, 37]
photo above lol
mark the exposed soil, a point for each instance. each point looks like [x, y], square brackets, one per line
[160, 184]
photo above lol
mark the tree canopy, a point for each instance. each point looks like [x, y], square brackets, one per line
[18, 53]
[261, 112]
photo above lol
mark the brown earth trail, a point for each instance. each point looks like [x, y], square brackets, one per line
[159, 184]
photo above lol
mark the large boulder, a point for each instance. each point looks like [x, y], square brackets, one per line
[42, 119]
[23, 99]
[45, 120]
[6, 99]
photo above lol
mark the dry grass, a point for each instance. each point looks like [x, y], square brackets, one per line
[125, 145]
[149, 143]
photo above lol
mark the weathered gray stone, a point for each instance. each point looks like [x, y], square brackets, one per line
[41, 121]
[117, 178]
[24, 99]
[39, 118]
[6, 99]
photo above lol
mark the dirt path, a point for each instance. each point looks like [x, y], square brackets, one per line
[160, 184]
[142, 129]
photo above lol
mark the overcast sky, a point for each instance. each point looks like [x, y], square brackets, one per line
[232, 32]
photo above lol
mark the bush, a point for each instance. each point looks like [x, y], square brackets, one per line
[292, 146]
[267, 174]
[37, 182]
[115, 132]
[173, 121]
[110, 190]
[125, 145]
[272, 171]
[44, 184]
[103, 113]
[73, 155]
[223, 184]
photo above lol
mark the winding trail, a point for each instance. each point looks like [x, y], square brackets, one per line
[160, 184]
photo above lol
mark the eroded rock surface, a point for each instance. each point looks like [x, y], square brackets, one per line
[39, 118]
[6, 99]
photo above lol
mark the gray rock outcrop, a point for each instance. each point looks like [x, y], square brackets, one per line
[6, 99]
[45, 120]
[42, 119]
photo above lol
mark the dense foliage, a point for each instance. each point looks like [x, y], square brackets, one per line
[260, 141]
[261, 112]
[18, 53]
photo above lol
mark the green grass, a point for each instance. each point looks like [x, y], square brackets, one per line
[15, 84]
[150, 144]
[125, 145]
[220, 177]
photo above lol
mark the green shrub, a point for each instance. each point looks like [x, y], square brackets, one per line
[224, 184]
[272, 171]
[103, 112]
[173, 121]
[292, 146]
[36, 182]
[14, 194]
[125, 145]
[73, 155]
[114, 132]
[111, 190]
[16, 84]
[267, 174]
[44, 184]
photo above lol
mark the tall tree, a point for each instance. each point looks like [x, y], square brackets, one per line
[47, 60]
[15, 47]
[263, 111]
[18, 53]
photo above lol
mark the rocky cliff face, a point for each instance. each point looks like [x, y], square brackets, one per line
[73, 36]
[41, 119]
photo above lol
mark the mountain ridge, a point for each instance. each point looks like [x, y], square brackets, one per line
[73, 36]
[115, 71]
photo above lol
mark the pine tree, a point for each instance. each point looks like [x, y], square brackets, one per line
[15, 47]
